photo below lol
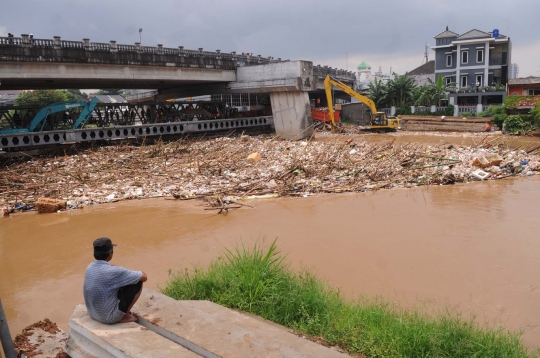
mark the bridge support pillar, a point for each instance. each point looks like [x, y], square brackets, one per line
[292, 115]
[288, 84]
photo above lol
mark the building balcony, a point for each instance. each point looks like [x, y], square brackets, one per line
[482, 89]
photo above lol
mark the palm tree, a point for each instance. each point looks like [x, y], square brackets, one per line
[378, 93]
[401, 90]
[434, 92]
[439, 89]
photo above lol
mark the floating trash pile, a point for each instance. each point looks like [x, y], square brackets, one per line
[243, 166]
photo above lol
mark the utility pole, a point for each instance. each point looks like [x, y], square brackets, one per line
[346, 61]
[140, 35]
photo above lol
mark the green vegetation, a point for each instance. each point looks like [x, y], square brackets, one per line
[519, 123]
[511, 102]
[535, 112]
[42, 98]
[259, 281]
[399, 91]
[497, 112]
[515, 124]
[433, 92]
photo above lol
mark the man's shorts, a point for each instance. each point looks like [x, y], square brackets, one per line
[126, 294]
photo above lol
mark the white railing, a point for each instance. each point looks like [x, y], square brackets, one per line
[464, 109]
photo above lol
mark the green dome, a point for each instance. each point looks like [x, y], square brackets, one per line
[364, 66]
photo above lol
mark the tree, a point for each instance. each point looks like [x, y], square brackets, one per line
[378, 93]
[401, 90]
[41, 98]
[76, 95]
[433, 92]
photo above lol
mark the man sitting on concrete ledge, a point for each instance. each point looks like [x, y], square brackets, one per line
[110, 291]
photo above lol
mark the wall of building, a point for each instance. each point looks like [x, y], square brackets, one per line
[524, 90]
[440, 59]
[355, 111]
[423, 79]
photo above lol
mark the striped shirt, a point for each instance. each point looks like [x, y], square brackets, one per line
[101, 284]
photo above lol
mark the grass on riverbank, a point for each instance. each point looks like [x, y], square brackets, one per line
[259, 281]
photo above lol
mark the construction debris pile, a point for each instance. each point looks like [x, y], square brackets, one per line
[243, 166]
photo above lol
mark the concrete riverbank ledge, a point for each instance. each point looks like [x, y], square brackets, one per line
[170, 328]
[88, 339]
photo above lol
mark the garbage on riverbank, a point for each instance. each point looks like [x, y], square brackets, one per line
[42, 339]
[222, 167]
[49, 205]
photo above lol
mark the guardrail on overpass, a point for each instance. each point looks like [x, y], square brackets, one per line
[26, 49]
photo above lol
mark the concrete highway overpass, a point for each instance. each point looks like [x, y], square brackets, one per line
[27, 63]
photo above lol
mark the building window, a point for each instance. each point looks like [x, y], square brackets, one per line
[480, 56]
[464, 81]
[479, 80]
[448, 60]
[447, 80]
[465, 57]
[534, 91]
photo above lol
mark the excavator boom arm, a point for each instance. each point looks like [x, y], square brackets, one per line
[86, 113]
[42, 114]
[328, 83]
[378, 119]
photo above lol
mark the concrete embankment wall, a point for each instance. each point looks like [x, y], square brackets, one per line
[171, 328]
[448, 124]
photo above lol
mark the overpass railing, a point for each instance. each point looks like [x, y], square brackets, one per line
[25, 48]
[341, 75]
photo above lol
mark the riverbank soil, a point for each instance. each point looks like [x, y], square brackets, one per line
[42, 339]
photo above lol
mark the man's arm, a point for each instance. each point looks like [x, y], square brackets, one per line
[143, 277]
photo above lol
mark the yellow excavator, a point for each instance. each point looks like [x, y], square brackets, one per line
[378, 121]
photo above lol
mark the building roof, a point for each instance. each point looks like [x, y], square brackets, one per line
[8, 97]
[446, 33]
[364, 66]
[426, 69]
[524, 81]
[474, 34]
[105, 98]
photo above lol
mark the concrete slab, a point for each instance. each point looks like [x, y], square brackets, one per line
[222, 331]
[91, 339]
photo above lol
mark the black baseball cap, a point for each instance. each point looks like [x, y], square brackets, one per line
[103, 244]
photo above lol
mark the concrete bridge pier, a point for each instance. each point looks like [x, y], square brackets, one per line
[292, 115]
[288, 84]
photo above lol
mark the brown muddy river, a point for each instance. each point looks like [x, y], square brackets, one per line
[472, 246]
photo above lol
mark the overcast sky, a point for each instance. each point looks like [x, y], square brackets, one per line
[387, 33]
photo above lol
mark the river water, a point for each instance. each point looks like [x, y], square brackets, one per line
[471, 246]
